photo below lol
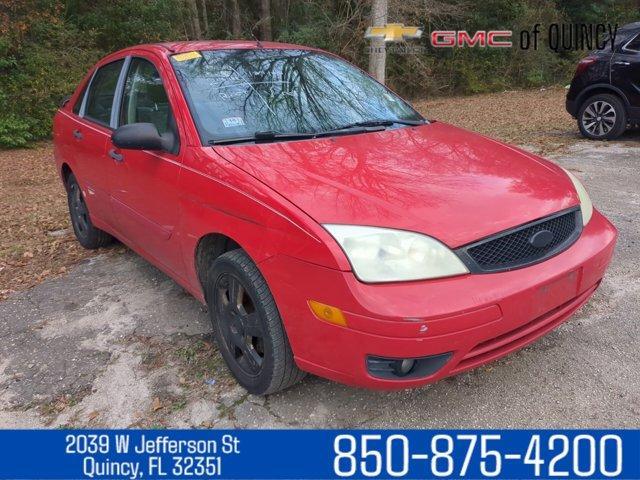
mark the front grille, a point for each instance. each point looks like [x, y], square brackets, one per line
[515, 248]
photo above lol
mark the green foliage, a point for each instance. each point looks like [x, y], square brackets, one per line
[120, 23]
[14, 132]
[47, 46]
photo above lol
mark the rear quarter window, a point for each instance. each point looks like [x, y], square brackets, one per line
[78, 105]
[633, 45]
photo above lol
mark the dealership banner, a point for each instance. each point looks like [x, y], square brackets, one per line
[288, 454]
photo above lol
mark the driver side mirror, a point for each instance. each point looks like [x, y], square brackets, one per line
[141, 136]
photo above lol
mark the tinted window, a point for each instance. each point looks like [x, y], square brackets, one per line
[634, 44]
[235, 93]
[144, 98]
[101, 92]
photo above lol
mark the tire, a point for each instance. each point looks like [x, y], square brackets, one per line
[249, 331]
[88, 236]
[602, 117]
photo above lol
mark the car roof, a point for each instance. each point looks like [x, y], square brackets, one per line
[169, 48]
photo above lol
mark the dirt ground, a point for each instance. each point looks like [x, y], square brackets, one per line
[106, 340]
[36, 241]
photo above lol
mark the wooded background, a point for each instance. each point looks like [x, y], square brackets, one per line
[46, 46]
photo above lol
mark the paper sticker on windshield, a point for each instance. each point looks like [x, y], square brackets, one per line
[182, 57]
[230, 122]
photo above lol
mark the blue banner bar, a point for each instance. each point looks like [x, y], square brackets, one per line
[288, 454]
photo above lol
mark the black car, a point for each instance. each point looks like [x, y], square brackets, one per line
[605, 92]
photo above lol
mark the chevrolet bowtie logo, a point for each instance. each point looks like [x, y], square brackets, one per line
[393, 32]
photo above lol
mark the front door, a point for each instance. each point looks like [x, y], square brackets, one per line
[144, 198]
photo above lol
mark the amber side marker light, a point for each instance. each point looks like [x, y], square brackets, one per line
[328, 313]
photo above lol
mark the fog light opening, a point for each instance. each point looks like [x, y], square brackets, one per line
[404, 367]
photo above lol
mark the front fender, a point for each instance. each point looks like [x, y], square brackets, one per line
[217, 197]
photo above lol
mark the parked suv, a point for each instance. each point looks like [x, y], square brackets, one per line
[605, 92]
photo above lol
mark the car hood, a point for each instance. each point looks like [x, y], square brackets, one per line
[435, 179]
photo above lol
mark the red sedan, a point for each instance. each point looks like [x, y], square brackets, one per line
[327, 225]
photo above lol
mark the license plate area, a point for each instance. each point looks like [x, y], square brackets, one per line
[556, 292]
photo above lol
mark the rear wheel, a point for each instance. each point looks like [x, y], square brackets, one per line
[247, 326]
[602, 117]
[88, 236]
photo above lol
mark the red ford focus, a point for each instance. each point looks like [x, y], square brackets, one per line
[327, 225]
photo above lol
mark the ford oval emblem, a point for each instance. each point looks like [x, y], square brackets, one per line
[541, 239]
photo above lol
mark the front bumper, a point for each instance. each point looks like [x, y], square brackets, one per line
[477, 317]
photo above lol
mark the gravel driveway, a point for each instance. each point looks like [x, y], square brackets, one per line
[115, 343]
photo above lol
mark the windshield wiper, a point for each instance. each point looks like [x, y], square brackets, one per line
[356, 127]
[265, 136]
[384, 122]
[350, 130]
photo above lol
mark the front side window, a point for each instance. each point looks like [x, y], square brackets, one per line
[144, 98]
[236, 93]
[101, 93]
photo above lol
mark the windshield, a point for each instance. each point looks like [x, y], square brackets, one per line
[236, 93]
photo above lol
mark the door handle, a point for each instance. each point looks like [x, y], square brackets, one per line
[118, 157]
[620, 62]
[77, 134]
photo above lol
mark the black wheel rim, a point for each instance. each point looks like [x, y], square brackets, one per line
[79, 212]
[240, 324]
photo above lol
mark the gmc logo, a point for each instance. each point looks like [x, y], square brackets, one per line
[461, 38]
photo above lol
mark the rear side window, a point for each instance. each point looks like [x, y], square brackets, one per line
[101, 93]
[78, 104]
[633, 45]
[144, 98]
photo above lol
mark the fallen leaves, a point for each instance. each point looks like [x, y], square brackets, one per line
[36, 241]
[523, 117]
[156, 404]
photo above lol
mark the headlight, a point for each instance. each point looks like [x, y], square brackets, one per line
[585, 202]
[384, 255]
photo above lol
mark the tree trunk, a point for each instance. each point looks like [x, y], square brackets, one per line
[265, 20]
[205, 18]
[378, 55]
[195, 21]
[280, 14]
[236, 23]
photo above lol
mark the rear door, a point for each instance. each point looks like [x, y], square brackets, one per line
[625, 73]
[144, 197]
[89, 132]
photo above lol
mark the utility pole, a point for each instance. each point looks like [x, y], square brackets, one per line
[378, 54]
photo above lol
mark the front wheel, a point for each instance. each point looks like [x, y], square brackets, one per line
[247, 326]
[602, 117]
